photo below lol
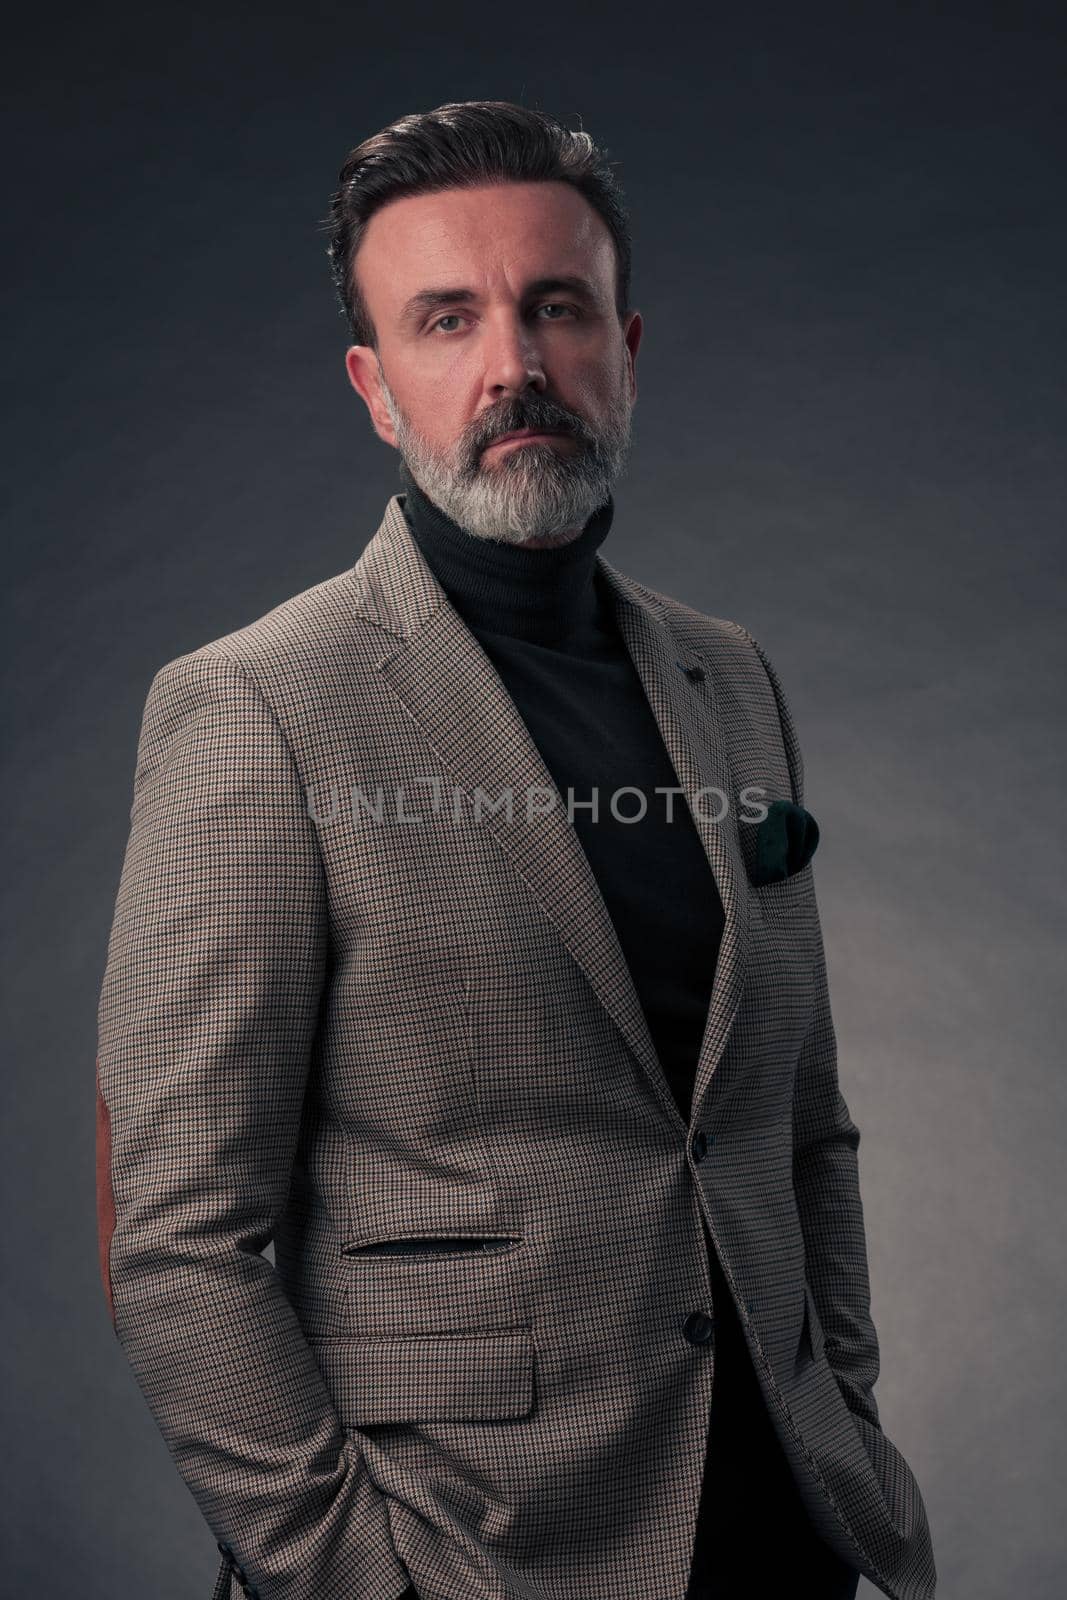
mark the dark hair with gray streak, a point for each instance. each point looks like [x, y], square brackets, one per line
[462, 145]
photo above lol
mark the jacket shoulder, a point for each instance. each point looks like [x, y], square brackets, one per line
[699, 630]
[290, 653]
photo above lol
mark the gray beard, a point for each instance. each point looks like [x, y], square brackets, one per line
[540, 492]
[523, 498]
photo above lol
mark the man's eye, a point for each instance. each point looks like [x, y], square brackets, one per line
[551, 305]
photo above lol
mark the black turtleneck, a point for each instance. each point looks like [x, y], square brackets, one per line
[544, 619]
[546, 597]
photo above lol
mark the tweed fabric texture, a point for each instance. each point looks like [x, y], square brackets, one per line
[411, 1053]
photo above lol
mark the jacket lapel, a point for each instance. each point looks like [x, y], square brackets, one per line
[455, 695]
[688, 717]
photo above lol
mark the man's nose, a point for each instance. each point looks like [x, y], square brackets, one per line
[513, 362]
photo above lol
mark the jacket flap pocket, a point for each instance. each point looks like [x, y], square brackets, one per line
[428, 1377]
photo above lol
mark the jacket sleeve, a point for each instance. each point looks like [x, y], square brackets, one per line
[825, 1165]
[207, 1015]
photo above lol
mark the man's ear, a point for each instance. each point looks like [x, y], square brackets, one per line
[632, 337]
[361, 364]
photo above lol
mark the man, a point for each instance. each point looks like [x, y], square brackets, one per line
[434, 964]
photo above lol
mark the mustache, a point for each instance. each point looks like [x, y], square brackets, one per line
[511, 419]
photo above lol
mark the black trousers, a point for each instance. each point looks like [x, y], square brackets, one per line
[754, 1539]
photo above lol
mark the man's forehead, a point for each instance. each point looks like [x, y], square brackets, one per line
[464, 208]
[444, 240]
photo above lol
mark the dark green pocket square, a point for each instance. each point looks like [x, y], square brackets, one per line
[785, 842]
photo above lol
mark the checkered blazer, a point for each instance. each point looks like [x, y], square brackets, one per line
[358, 1004]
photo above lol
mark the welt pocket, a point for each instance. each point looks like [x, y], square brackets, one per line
[428, 1377]
[433, 1246]
[781, 888]
[813, 1334]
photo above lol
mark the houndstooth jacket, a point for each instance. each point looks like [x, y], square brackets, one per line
[358, 1004]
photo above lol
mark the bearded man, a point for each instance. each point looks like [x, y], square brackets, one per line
[434, 966]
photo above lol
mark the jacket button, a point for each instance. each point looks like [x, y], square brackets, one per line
[695, 674]
[702, 1143]
[224, 1550]
[698, 1327]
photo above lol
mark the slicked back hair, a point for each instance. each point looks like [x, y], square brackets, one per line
[465, 144]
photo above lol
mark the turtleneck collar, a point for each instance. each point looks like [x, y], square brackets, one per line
[547, 596]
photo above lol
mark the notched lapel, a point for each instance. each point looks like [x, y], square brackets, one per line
[686, 714]
[459, 701]
[456, 697]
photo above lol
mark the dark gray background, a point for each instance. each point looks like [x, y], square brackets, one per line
[848, 234]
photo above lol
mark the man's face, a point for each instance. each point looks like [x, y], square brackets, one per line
[517, 349]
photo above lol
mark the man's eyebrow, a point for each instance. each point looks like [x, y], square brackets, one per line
[428, 299]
